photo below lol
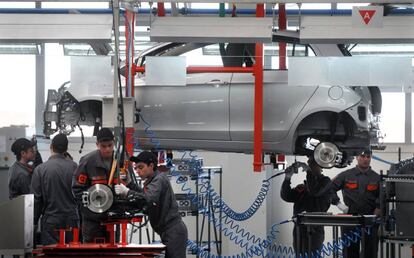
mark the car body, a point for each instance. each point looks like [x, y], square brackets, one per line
[215, 111]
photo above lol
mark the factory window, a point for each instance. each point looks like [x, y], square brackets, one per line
[17, 103]
[17, 4]
[77, 5]
[57, 67]
[57, 72]
[392, 123]
[350, 5]
[382, 50]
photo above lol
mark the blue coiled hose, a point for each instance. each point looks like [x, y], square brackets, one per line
[252, 209]
[281, 251]
[253, 245]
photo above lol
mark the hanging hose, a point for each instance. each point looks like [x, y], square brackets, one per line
[254, 246]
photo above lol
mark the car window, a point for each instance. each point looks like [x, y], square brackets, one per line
[232, 54]
[242, 55]
[205, 56]
[271, 54]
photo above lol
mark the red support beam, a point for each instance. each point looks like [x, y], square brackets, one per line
[61, 237]
[132, 57]
[111, 232]
[126, 51]
[258, 101]
[124, 233]
[161, 9]
[75, 232]
[282, 45]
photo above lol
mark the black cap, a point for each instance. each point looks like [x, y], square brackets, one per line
[21, 144]
[146, 156]
[60, 143]
[366, 151]
[105, 134]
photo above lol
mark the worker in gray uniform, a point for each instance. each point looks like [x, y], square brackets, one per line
[161, 204]
[52, 190]
[94, 168]
[20, 173]
[360, 190]
[308, 197]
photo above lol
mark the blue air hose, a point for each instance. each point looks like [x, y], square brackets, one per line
[253, 245]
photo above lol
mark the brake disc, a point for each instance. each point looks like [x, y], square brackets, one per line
[98, 198]
[327, 155]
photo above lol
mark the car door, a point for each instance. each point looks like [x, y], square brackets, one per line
[197, 111]
[281, 105]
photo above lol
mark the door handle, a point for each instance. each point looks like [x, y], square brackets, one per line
[217, 83]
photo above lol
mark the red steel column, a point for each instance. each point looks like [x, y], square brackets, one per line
[258, 100]
[124, 233]
[75, 232]
[161, 9]
[132, 56]
[126, 51]
[282, 45]
[61, 237]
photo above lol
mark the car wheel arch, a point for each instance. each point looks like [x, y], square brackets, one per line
[324, 125]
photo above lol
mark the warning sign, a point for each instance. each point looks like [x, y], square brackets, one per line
[367, 16]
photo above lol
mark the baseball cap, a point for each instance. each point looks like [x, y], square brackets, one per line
[105, 134]
[60, 142]
[367, 152]
[146, 157]
[21, 144]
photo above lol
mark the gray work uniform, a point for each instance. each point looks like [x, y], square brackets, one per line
[53, 198]
[92, 170]
[308, 197]
[360, 191]
[162, 210]
[20, 177]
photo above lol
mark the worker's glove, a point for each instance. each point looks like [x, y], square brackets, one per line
[289, 171]
[303, 165]
[121, 190]
[294, 168]
[342, 207]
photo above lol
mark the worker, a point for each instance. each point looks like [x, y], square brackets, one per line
[307, 197]
[20, 173]
[360, 191]
[94, 168]
[52, 190]
[161, 204]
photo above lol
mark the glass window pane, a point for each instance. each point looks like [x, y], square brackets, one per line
[392, 123]
[17, 5]
[350, 5]
[383, 50]
[272, 51]
[57, 72]
[57, 67]
[208, 55]
[80, 5]
[17, 103]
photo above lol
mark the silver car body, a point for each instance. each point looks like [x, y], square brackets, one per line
[214, 111]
